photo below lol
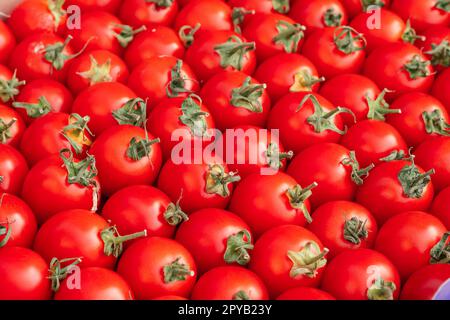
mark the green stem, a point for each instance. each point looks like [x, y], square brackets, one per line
[417, 68]
[412, 181]
[140, 148]
[9, 88]
[75, 132]
[193, 117]
[289, 35]
[217, 180]
[332, 18]
[307, 261]
[127, 34]
[35, 110]
[346, 41]
[355, 230]
[281, 6]
[98, 72]
[187, 33]
[381, 290]
[357, 173]
[238, 16]
[174, 215]
[176, 271]
[435, 123]
[232, 52]
[440, 53]
[177, 84]
[237, 248]
[134, 113]
[304, 81]
[113, 241]
[410, 35]
[297, 197]
[275, 157]
[58, 273]
[379, 108]
[248, 96]
[440, 253]
[5, 132]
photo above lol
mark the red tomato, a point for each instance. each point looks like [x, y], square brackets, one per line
[335, 51]
[7, 42]
[216, 238]
[343, 225]
[149, 13]
[441, 207]
[158, 266]
[395, 187]
[441, 88]
[126, 155]
[409, 241]
[436, 45]
[229, 283]
[233, 98]
[263, 6]
[8, 84]
[361, 274]
[12, 126]
[424, 283]
[95, 284]
[353, 7]
[288, 256]
[305, 293]
[23, 275]
[94, 67]
[286, 73]
[170, 298]
[13, 169]
[93, 5]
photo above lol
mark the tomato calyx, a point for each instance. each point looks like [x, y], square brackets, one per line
[98, 72]
[237, 248]
[8, 88]
[289, 35]
[297, 197]
[331, 18]
[417, 68]
[435, 123]
[395, 155]
[379, 108]
[381, 290]
[58, 273]
[371, 3]
[127, 33]
[134, 113]
[81, 172]
[186, 34]
[348, 40]
[193, 117]
[440, 253]
[57, 11]
[232, 52]
[357, 174]
[161, 3]
[410, 35]
[217, 180]
[5, 133]
[275, 157]
[35, 110]
[75, 132]
[5, 232]
[176, 271]
[247, 96]
[113, 241]
[177, 82]
[412, 181]
[304, 81]
[281, 6]
[443, 5]
[54, 54]
[355, 230]
[238, 16]
[440, 53]
[140, 148]
[307, 261]
[241, 295]
[174, 215]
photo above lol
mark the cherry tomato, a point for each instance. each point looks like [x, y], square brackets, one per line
[12, 126]
[441, 88]
[353, 7]
[13, 169]
[93, 5]
[305, 293]
[263, 6]
[170, 298]
[7, 42]
[441, 207]
[9, 85]
[149, 13]
[424, 283]
[435, 44]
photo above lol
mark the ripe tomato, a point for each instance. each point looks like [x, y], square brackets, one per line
[158, 266]
[424, 283]
[95, 284]
[353, 7]
[288, 256]
[441, 88]
[400, 67]
[7, 42]
[335, 51]
[305, 293]
[93, 5]
[333, 167]
[170, 298]
[216, 238]
[409, 241]
[436, 45]
[230, 283]
[13, 169]
[405, 187]
[263, 6]
[268, 201]
[94, 67]
[61, 183]
[126, 155]
[23, 275]
[8, 84]
[149, 13]
[287, 72]
[12, 126]
[441, 207]
[361, 274]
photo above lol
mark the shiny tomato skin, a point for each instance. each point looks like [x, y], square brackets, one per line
[13, 169]
[96, 284]
[424, 283]
[441, 207]
[262, 6]
[407, 238]
[441, 87]
[15, 132]
[23, 275]
[169, 298]
[111, 6]
[357, 270]
[305, 293]
[7, 42]
[434, 36]
[205, 235]
[142, 265]
[140, 12]
[353, 7]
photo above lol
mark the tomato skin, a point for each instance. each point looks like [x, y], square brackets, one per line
[23, 275]
[73, 234]
[96, 284]
[140, 12]
[441, 207]
[407, 238]
[372, 140]
[136, 208]
[328, 225]
[424, 283]
[205, 235]
[433, 36]
[142, 265]
[353, 7]
[116, 169]
[111, 6]
[348, 276]
[441, 87]
[7, 42]
[170, 298]
[13, 169]
[262, 6]
[16, 130]
[158, 41]
[305, 293]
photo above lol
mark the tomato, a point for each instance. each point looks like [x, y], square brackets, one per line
[405, 187]
[104, 103]
[95, 284]
[343, 225]
[216, 238]
[12, 126]
[441, 207]
[60, 183]
[423, 14]
[335, 51]
[435, 154]
[8, 85]
[268, 201]
[353, 7]
[422, 117]
[158, 41]
[305, 293]
[42, 96]
[158, 266]
[287, 72]
[425, 282]
[333, 167]
[306, 119]
[7, 42]
[436, 45]
[160, 77]
[373, 140]
[441, 88]
[233, 98]
[13, 169]
[23, 275]
[400, 67]
[273, 33]
[32, 16]
[361, 274]
[170, 298]
[94, 67]
[288, 256]
[263, 6]
[93, 5]
[409, 241]
[229, 283]
[126, 155]
[149, 13]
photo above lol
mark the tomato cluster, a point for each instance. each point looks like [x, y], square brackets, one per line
[346, 105]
